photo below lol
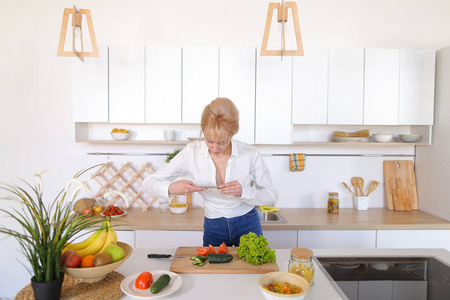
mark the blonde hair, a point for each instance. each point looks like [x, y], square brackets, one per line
[220, 118]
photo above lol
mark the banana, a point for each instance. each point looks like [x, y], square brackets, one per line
[86, 242]
[95, 246]
[110, 239]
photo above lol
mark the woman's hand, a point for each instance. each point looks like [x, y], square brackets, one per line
[232, 188]
[183, 187]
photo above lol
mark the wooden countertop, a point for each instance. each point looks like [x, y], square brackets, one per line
[297, 219]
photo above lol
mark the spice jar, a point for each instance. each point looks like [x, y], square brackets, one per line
[333, 203]
[301, 263]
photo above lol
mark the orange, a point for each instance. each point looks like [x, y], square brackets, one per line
[87, 262]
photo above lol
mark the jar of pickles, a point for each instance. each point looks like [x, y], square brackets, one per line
[333, 203]
[301, 263]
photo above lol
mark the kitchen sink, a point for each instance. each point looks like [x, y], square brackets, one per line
[271, 217]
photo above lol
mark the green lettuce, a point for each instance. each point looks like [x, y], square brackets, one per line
[253, 249]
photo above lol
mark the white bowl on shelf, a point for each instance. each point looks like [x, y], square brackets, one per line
[409, 138]
[120, 136]
[382, 138]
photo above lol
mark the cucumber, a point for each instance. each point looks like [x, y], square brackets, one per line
[219, 258]
[200, 257]
[160, 283]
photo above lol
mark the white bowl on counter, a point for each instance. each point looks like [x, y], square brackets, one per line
[178, 208]
[382, 138]
[283, 277]
[409, 138]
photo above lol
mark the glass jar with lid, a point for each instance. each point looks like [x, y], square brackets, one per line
[333, 203]
[301, 263]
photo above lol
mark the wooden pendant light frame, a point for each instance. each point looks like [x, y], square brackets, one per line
[62, 38]
[282, 13]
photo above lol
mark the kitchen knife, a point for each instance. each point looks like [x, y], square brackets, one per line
[152, 255]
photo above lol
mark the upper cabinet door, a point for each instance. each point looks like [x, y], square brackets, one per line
[237, 83]
[346, 86]
[200, 81]
[90, 88]
[381, 83]
[310, 87]
[163, 85]
[273, 100]
[417, 76]
[127, 84]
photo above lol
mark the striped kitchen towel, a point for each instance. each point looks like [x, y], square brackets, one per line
[297, 162]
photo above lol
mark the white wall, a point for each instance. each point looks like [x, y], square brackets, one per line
[433, 174]
[35, 85]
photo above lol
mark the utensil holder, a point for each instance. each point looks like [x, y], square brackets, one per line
[361, 202]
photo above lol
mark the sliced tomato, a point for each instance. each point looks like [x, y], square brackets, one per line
[223, 249]
[202, 251]
[211, 249]
[144, 281]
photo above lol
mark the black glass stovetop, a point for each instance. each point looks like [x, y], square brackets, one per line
[428, 272]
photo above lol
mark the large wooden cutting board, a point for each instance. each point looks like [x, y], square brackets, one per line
[236, 266]
[399, 175]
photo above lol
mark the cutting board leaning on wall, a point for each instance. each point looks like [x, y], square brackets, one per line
[400, 185]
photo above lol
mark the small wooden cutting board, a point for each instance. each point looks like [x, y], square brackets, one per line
[403, 170]
[236, 266]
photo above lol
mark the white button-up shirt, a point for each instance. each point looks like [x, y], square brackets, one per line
[244, 165]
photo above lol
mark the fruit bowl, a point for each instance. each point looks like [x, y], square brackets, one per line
[94, 274]
[120, 136]
[283, 277]
[178, 208]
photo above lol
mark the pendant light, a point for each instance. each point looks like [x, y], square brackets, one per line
[77, 33]
[282, 19]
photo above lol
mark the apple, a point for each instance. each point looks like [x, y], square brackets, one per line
[88, 212]
[70, 259]
[115, 251]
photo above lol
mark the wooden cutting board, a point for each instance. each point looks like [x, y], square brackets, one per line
[406, 194]
[236, 266]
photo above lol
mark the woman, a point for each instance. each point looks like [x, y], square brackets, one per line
[225, 163]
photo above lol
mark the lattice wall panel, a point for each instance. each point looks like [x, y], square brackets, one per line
[126, 180]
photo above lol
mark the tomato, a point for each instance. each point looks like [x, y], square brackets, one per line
[144, 281]
[211, 249]
[223, 249]
[202, 251]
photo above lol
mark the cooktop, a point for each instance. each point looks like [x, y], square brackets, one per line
[396, 278]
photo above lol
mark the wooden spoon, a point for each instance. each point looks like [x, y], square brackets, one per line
[361, 185]
[355, 183]
[349, 188]
[372, 186]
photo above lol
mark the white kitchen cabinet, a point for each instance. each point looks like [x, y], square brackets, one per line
[281, 239]
[163, 84]
[345, 86]
[200, 81]
[416, 93]
[237, 71]
[344, 239]
[127, 84]
[90, 88]
[168, 239]
[273, 100]
[126, 236]
[381, 84]
[310, 87]
[413, 239]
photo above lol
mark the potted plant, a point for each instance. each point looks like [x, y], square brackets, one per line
[45, 229]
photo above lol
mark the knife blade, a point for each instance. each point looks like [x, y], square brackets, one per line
[153, 255]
